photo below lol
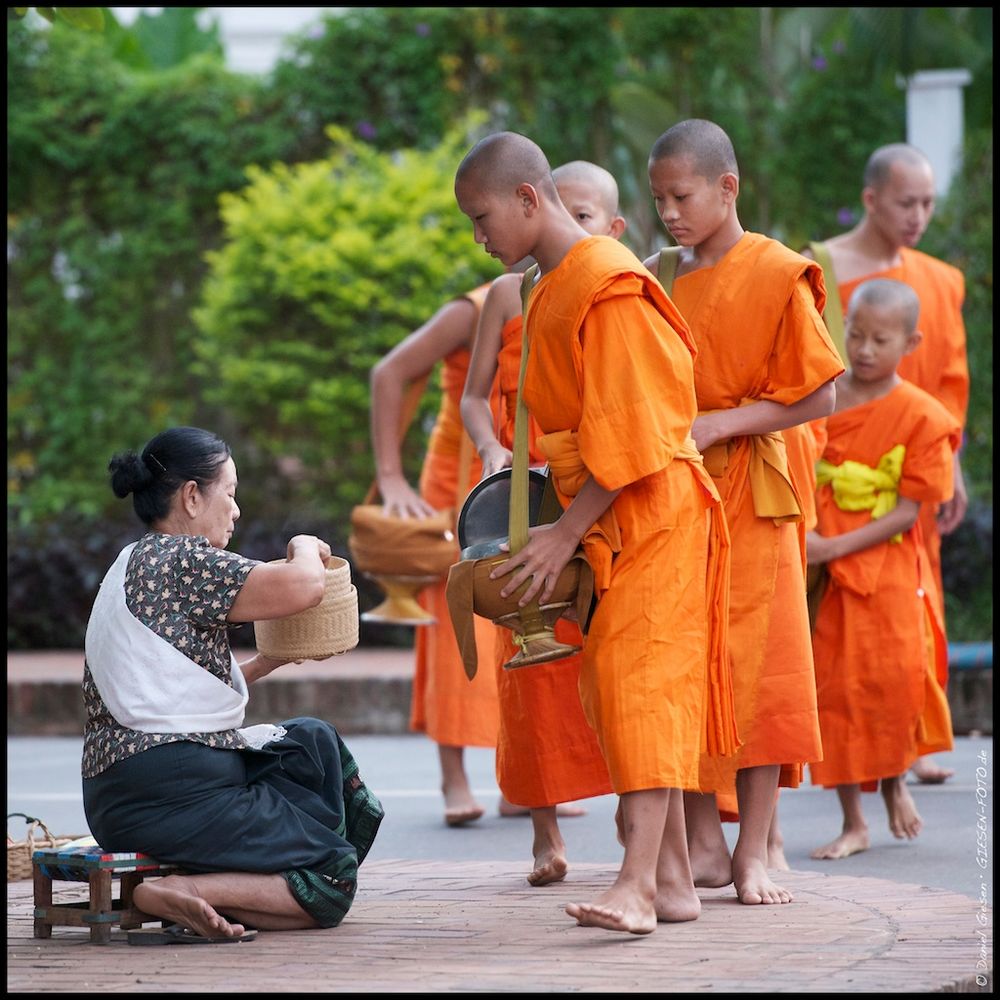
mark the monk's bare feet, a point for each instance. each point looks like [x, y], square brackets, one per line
[677, 903]
[550, 866]
[754, 886]
[710, 869]
[175, 898]
[618, 909]
[507, 809]
[928, 773]
[853, 840]
[460, 807]
[776, 860]
[904, 820]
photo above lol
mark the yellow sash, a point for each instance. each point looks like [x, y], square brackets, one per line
[857, 486]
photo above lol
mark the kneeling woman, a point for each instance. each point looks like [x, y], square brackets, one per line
[269, 823]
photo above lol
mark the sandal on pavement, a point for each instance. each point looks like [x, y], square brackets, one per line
[176, 934]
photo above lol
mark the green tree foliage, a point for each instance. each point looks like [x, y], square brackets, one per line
[326, 266]
[113, 180]
[121, 141]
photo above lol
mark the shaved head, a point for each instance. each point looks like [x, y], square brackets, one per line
[885, 293]
[503, 161]
[881, 162]
[592, 177]
[703, 142]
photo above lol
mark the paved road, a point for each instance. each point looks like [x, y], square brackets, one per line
[43, 780]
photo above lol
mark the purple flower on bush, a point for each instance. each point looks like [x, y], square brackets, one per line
[845, 216]
[366, 130]
[423, 29]
[819, 63]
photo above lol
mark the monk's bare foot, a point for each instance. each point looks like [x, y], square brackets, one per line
[550, 866]
[675, 904]
[904, 820]
[460, 807]
[776, 860]
[618, 909]
[175, 898]
[928, 773]
[508, 809]
[852, 841]
[710, 869]
[754, 886]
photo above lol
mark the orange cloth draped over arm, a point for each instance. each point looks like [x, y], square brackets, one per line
[610, 359]
[877, 636]
[756, 318]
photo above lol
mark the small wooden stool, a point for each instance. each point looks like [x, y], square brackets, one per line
[98, 867]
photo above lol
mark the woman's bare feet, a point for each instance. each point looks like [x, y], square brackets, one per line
[904, 820]
[754, 885]
[175, 898]
[621, 908]
[853, 840]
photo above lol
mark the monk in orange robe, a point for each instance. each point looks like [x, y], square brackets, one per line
[765, 362]
[878, 630]
[547, 754]
[610, 382]
[450, 709]
[898, 198]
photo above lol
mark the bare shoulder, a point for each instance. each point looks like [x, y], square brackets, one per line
[505, 293]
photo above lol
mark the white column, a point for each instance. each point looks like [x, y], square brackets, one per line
[934, 120]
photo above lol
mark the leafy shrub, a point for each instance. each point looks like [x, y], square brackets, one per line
[327, 265]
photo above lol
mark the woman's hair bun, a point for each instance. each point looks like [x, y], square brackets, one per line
[129, 474]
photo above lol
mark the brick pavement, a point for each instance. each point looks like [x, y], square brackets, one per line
[477, 927]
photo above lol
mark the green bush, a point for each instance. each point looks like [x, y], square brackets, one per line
[326, 266]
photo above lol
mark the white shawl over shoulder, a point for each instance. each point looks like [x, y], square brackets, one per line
[151, 686]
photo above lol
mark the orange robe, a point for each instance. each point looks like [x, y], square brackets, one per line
[755, 317]
[446, 705]
[546, 751]
[939, 365]
[609, 380]
[878, 630]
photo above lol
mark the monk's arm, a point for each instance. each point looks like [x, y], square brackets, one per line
[762, 417]
[821, 549]
[448, 329]
[553, 545]
[952, 512]
[502, 302]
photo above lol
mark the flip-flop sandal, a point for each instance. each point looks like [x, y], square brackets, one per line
[176, 934]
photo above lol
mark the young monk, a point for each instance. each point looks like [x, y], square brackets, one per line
[547, 754]
[899, 198]
[609, 382]
[453, 711]
[889, 450]
[765, 362]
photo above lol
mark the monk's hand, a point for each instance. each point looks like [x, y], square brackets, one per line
[952, 512]
[708, 428]
[818, 548]
[540, 562]
[495, 457]
[399, 499]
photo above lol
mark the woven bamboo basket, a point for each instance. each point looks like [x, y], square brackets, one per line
[37, 838]
[326, 630]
